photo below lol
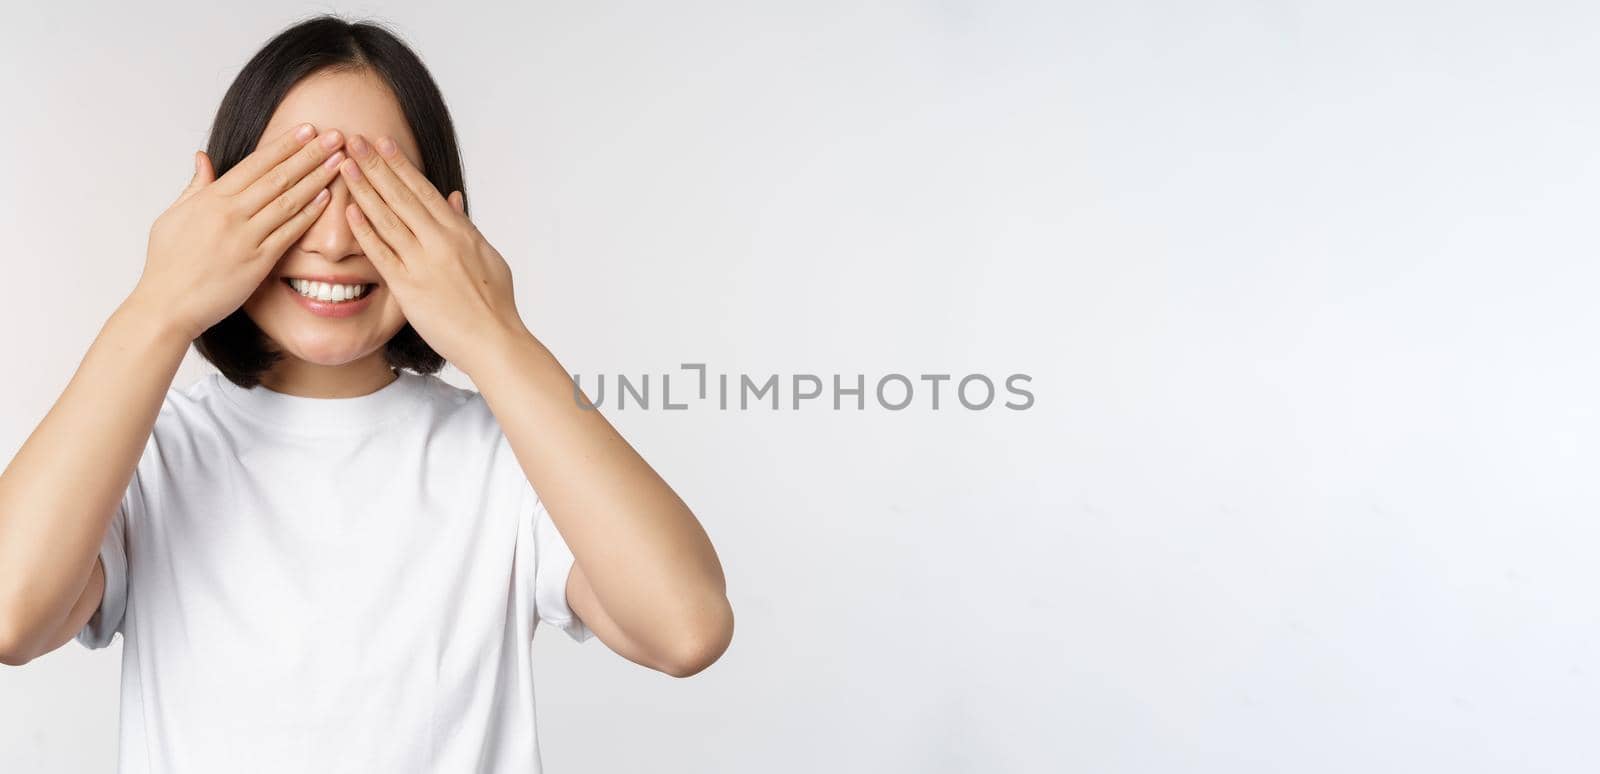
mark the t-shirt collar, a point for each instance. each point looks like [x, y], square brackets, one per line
[325, 416]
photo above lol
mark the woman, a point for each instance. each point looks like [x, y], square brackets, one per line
[323, 557]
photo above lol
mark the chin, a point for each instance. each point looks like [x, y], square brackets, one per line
[319, 343]
[323, 351]
[325, 343]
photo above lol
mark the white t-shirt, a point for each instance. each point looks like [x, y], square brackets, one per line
[329, 585]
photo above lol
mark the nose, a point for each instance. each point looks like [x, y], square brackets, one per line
[329, 235]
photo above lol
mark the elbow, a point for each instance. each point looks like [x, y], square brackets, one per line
[14, 658]
[23, 631]
[14, 649]
[705, 643]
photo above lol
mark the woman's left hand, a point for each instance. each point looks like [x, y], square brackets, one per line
[452, 285]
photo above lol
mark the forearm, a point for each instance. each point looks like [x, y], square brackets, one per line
[645, 555]
[60, 490]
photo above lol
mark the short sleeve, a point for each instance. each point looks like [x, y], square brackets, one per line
[552, 564]
[107, 619]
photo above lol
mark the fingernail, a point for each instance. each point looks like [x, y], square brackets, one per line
[304, 132]
[358, 147]
[352, 170]
[333, 161]
[331, 139]
[386, 146]
[322, 196]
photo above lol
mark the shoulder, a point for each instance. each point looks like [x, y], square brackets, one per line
[453, 405]
[186, 439]
[189, 411]
[463, 430]
[459, 418]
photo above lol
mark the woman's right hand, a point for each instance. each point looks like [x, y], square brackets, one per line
[213, 247]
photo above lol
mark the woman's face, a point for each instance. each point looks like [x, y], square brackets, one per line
[322, 333]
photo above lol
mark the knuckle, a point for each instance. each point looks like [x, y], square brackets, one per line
[244, 247]
[279, 180]
[315, 154]
[286, 204]
[229, 208]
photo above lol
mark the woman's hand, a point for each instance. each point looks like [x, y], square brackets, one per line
[212, 248]
[452, 285]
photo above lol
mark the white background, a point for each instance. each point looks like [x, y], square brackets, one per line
[1306, 291]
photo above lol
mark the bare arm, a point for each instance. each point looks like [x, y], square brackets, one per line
[646, 579]
[208, 252]
[63, 486]
[82, 610]
[650, 585]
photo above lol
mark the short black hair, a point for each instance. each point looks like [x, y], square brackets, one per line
[235, 345]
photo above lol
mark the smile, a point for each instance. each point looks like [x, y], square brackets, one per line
[323, 291]
[327, 299]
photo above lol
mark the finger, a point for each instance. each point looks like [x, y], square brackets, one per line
[414, 180]
[292, 201]
[203, 176]
[281, 178]
[381, 219]
[264, 158]
[399, 196]
[458, 202]
[383, 257]
[277, 243]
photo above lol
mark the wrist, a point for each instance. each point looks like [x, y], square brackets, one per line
[154, 317]
[509, 350]
[497, 344]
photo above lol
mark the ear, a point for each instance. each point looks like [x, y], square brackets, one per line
[457, 201]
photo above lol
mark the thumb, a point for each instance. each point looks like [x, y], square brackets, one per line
[203, 175]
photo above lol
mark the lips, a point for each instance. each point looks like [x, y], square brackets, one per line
[334, 309]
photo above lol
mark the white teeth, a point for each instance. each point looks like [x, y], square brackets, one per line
[322, 291]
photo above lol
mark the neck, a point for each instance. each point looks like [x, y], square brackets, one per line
[301, 378]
